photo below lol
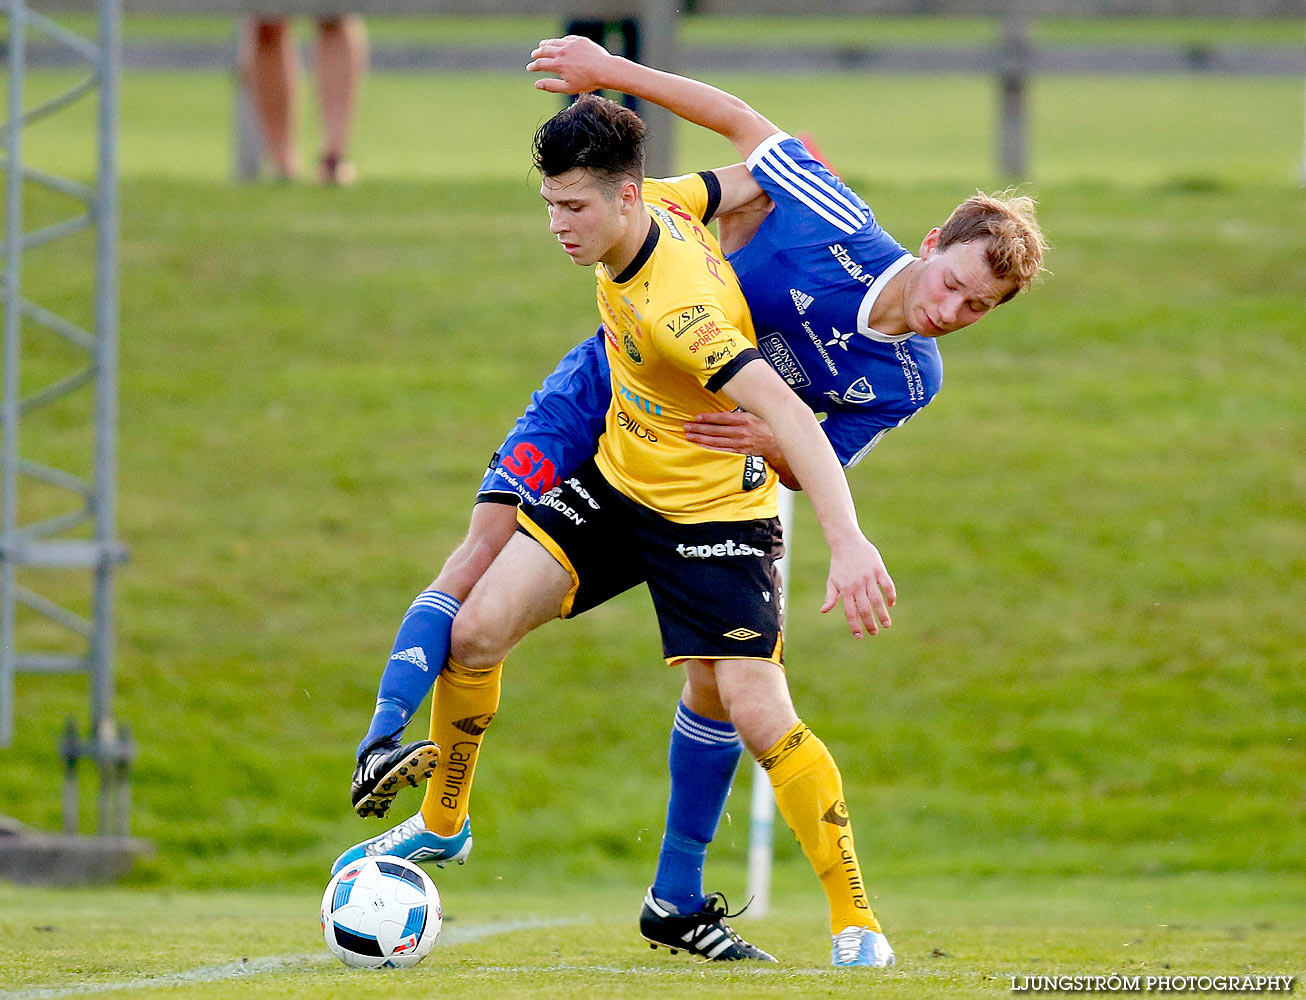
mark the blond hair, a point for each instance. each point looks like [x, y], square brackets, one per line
[1008, 221]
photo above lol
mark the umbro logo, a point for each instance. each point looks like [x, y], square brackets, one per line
[742, 634]
[836, 814]
[801, 300]
[413, 655]
[474, 725]
[791, 744]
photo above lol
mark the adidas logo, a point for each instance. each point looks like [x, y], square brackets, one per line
[837, 814]
[801, 300]
[413, 655]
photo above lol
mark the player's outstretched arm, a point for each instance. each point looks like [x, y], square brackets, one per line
[858, 576]
[742, 434]
[583, 65]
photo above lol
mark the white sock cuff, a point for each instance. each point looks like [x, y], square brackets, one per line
[434, 600]
[702, 730]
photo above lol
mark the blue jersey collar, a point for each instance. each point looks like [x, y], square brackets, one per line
[873, 293]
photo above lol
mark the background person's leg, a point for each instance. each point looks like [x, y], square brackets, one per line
[341, 64]
[271, 70]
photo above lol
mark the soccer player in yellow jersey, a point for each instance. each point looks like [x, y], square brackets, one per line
[697, 525]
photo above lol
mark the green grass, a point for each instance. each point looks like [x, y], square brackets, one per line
[1108, 130]
[960, 938]
[1095, 533]
[1091, 700]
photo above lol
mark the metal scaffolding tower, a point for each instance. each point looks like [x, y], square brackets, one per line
[57, 523]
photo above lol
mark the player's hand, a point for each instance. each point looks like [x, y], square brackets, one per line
[859, 578]
[579, 62]
[734, 431]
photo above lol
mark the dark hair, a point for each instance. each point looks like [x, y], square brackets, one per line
[595, 134]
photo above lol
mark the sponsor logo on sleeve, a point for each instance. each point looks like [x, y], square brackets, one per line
[675, 209]
[685, 319]
[698, 329]
[711, 259]
[718, 354]
[672, 229]
[528, 462]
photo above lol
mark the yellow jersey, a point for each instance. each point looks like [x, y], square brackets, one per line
[676, 329]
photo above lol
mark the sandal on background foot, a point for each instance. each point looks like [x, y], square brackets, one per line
[335, 171]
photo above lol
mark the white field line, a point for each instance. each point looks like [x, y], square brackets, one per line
[452, 936]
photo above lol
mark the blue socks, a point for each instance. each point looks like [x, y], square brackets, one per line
[420, 649]
[702, 759]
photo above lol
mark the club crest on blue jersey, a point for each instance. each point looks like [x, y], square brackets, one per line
[857, 394]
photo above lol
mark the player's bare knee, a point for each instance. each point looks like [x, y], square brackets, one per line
[475, 640]
[700, 693]
[758, 703]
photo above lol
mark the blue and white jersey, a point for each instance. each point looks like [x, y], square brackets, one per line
[811, 276]
[558, 431]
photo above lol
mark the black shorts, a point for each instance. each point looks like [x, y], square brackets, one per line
[715, 585]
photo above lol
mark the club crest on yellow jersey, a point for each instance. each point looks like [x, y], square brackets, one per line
[676, 323]
[631, 348]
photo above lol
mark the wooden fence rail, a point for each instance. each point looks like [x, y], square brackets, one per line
[1012, 58]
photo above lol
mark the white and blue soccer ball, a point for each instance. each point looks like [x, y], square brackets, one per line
[381, 913]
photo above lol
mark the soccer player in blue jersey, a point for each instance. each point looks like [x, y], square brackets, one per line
[842, 311]
[698, 525]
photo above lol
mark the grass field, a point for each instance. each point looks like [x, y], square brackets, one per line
[965, 938]
[1078, 749]
[939, 129]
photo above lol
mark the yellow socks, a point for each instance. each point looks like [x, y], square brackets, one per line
[809, 792]
[464, 704]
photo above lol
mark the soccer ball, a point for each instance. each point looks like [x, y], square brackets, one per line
[381, 913]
